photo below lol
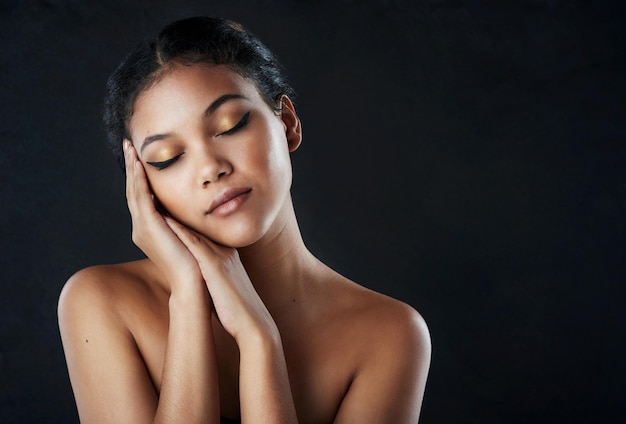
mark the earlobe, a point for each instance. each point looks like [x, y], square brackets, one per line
[293, 127]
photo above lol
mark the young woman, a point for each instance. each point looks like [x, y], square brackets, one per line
[230, 317]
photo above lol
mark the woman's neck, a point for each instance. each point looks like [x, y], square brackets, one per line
[279, 264]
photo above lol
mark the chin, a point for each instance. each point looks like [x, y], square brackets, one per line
[235, 241]
[236, 236]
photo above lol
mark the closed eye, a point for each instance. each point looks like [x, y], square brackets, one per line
[242, 123]
[164, 164]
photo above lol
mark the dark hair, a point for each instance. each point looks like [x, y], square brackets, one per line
[189, 41]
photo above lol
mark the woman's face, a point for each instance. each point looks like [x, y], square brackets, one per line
[216, 155]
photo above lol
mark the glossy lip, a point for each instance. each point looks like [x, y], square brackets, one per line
[227, 196]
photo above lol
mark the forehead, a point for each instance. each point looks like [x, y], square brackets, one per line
[200, 74]
[189, 90]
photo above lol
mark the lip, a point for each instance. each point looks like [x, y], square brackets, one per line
[228, 201]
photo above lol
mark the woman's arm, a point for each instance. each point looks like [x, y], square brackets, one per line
[264, 390]
[110, 380]
[189, 389]
[389, 383]
[265, 393]
[109, 377]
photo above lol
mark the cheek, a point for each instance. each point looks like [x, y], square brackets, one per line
[170, 193]
[273, 155]
[279, 163]
[271, 167]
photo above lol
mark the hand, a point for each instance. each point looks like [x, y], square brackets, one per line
[237, 304]
[150, 231]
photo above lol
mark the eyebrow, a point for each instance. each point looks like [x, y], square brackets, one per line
[209, 110]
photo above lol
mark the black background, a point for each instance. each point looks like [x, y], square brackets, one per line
[466, 157]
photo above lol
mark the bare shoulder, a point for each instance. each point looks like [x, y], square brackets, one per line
[98, 308]
[390, 356]
[103, 290]
[383, 318]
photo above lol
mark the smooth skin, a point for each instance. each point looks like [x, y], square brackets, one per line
[230, 314]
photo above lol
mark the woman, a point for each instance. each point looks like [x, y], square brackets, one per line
[230, 315]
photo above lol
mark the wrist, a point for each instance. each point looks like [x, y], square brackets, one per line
[183, 296]
[260, 339]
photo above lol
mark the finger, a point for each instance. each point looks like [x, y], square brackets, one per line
[134, 179]
[205, 252]
[140, 192]
[130, 175]
[183, 233]
[199, 245]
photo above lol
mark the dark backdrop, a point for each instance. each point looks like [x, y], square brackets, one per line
[466, 157]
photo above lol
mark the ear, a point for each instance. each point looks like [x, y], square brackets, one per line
[291, 122]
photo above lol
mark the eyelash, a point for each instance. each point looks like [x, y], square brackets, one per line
[164, 164]
[239, 125]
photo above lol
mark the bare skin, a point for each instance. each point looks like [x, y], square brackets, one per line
[230, 314]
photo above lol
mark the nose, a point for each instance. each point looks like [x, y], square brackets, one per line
[212, 166]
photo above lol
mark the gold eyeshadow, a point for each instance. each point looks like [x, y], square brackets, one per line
[226, 123]
[163, 155]
[168, 154]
